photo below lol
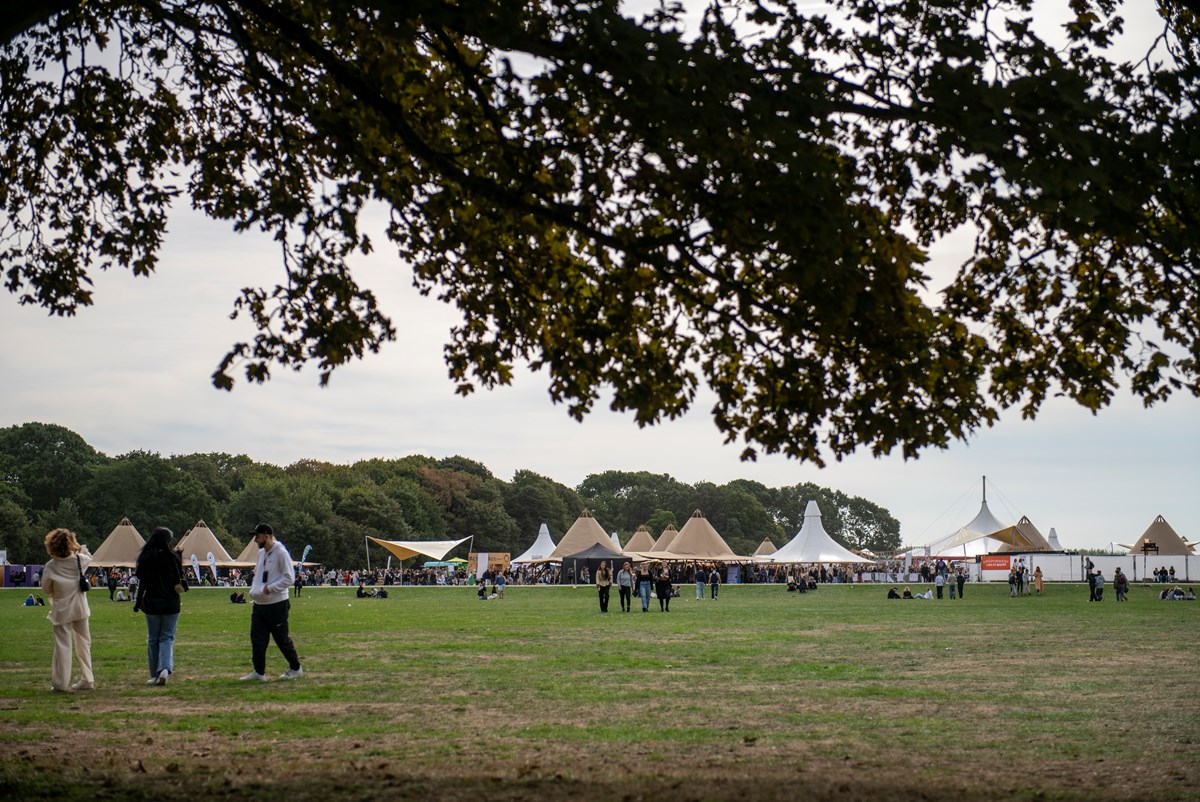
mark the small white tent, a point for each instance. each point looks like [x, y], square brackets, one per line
[1054, 544]
[812, 544]
[541, 549]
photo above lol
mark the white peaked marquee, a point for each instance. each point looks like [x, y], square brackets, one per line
[812, 544]
[541, 549]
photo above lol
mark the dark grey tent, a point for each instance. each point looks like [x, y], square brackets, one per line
[591, 557]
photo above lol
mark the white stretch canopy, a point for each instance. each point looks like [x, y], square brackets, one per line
[434, 549]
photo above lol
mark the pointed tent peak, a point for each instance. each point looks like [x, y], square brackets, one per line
[586, 513]
[1025, 520]
[616, 540]
[1164, 537]
[543, 546]
[200, 540]
[697, 514]
[121, 548]
[585, 532]
[765, 548]
[812, 544]
[1052, 538]
[812, 510]
[642, 540]
[666, 538]
[700, 540]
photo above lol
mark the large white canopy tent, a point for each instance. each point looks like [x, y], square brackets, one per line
[968, 541]
[812, 544]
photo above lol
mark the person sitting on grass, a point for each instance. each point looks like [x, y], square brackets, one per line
[907, 593]
[893, 594]
[237, 598]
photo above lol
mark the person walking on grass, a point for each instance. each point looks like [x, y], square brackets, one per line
[625, 587]
[714, 582]
[273, 575]
[1120, 585]
[604, 586]
[160, 584]
[69, 610]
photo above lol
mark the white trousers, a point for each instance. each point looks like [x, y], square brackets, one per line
[60, 667]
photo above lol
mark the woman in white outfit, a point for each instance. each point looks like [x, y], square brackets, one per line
[69, 610]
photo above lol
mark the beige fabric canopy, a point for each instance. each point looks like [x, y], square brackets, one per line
[583, 534]
[121, 548]
[1022, 536]
[433, 549]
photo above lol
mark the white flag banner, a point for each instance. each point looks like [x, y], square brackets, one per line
[196, 568]
[481, 564]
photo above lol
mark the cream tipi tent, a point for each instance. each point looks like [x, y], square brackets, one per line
[120, 549]
[698, 540]
[765, 549]
[199, 541]
[666, 539]
[1163, 537]
[585, 532]
[642, 540]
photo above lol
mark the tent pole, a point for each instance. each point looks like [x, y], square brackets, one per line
[367, 549]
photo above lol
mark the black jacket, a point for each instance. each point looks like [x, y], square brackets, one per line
[158, 574]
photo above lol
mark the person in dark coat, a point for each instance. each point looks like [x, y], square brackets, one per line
[160, 584]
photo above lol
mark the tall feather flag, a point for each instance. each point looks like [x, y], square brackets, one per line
[212, 563]
[196, 568]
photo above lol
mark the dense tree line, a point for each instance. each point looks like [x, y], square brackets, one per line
[50, 476]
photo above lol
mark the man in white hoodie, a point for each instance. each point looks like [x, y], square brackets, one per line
[273, 575]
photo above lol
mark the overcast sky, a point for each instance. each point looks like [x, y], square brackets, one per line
[132, 373]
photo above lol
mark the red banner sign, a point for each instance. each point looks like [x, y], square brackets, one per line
[992, 562]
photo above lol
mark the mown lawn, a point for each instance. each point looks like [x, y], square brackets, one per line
[760, 695]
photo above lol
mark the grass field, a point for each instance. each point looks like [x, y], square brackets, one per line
[760, 695]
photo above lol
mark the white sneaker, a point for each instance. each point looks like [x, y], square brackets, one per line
[83, 685]
[162, 676]
[152, 681]
[254, 676]
[292, 673]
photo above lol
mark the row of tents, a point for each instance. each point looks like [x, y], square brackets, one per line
[120, 549]
[697, 541]
[987, 535]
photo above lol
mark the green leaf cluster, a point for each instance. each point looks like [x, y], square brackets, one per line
[641, 207]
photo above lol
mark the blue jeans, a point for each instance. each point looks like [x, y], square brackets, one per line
[644, 592]
[160, 642]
